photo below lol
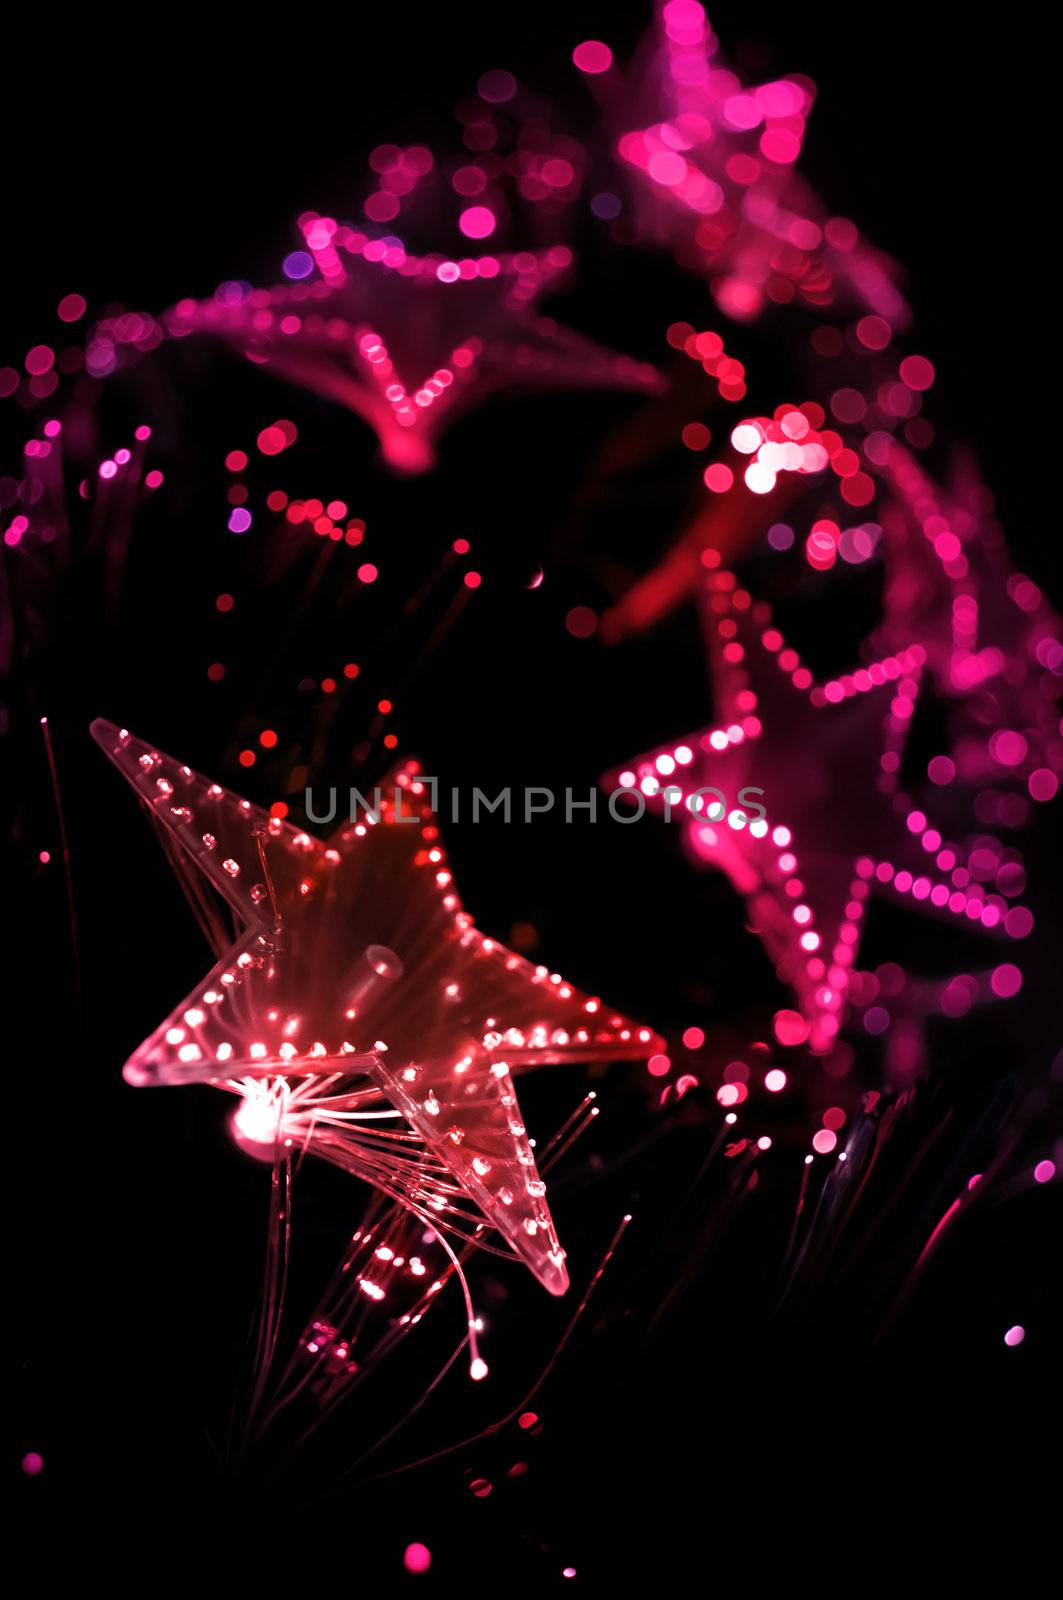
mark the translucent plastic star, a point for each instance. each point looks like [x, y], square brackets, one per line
[715, 162]
[357, 963]
[407, 342]
[794, 794]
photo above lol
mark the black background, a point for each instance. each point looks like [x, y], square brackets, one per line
[687, 1417]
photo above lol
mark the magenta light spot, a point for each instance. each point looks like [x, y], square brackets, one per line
[239, 520]
[941, 770]
[32, 1463]
[418, 1558]
[70, 308]
[40, 359]
[1043, 785]
[824, 1142]
[477, 222]
[1044, 1171]
[1007, 747]
[497, 86]
[593, 57]
[367, 573]
[1014, 1336]
[1006, 981]
[658, 1066]
[693, 1038]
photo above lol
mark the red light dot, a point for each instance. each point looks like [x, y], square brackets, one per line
[718, 478]
[790, 1027]
[593, 57]
[390, 741]
[473, 580]
[696, 436]
[247, 758]
[527, 1419]
[693, 1038]
[834, 1118]
[216, 671]
[384, 706]
[418, 1558]
[272, 440]
[873, 333]
[460, 547]
[351, 670]
[224, 602]
[236, 460]
[367, 573]
[328, 686]
[581, 622]
[824, 1142]
[279, 809]
[267, 739]
[658, 1066]
[276, 500]
[917, 372]
[70, 308]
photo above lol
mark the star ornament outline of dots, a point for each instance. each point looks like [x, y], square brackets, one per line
[357, 960]
[835, 826]
[409, 342]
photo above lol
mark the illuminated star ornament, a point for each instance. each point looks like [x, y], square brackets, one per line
[407, 342]
[715, 165]
[795, 795]
[360, 992]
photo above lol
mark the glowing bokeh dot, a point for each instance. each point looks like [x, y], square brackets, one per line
[1014, 1336]
[593, 57]
[417, 1558]
[581, 622]
[790, 1027]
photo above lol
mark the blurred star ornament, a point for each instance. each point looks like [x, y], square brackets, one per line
[795, 795]
[994, 644]
[408, 342]
[716, 181]
[358, 966]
